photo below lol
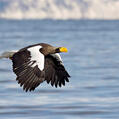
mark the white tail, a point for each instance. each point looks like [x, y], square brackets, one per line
[7, 54]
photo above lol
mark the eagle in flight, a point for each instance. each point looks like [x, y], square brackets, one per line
[38, 63]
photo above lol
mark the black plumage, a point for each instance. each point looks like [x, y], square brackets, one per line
[30, 75]
[55, 71]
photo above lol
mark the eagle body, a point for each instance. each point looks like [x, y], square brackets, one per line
[38, 63]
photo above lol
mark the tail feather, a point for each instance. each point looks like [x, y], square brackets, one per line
[7, 54]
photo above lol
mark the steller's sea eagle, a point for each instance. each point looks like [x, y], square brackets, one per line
[38, 63]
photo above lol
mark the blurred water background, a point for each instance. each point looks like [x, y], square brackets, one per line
[92, 61]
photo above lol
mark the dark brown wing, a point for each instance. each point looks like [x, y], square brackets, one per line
[28, 74]
[55, 72]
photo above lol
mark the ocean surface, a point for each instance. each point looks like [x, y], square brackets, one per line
[92, 61]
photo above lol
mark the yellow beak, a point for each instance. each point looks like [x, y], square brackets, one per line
[63, 49]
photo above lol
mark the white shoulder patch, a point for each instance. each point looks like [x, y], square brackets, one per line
[37, 56]
[58, 57]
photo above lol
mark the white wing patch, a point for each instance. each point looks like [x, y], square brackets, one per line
[58, 57]
[37, 56]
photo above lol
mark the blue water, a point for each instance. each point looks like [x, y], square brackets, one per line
[92, 62]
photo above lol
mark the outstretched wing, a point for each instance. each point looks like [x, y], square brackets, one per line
[28, 65]
[55, 72]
